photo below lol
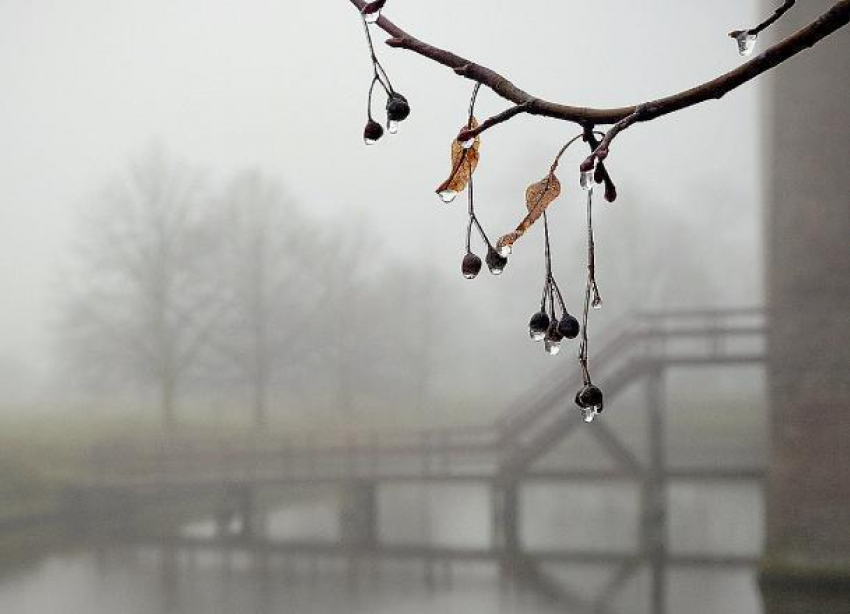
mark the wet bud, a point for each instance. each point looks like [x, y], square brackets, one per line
[610, 191]
[552, 341]
[590, 396]
[538, 326]
[589, 401]
[495, 261]
[373, 132]
[569, 327]
[471, 266]
[587, 165]
[397, 108]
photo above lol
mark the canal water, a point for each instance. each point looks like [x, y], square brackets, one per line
[704, 518]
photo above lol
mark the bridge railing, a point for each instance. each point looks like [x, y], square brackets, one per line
[674, 337]
[693, 336]
[309, 454]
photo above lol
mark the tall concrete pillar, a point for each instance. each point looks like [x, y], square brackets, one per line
[807, 211]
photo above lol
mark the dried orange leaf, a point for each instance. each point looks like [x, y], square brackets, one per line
[538, 196]
[464, 162]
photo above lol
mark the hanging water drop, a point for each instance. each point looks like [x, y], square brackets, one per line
[505, 250]
[447, 196]
[392, 126]
[552, 347]
[586, 180]
[589, 413]
[597, 302]
[746, 42]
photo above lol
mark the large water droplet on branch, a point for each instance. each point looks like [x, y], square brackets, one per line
[746, 42]
[392, 126]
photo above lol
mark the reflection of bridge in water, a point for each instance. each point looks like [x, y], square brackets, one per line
[502, 456]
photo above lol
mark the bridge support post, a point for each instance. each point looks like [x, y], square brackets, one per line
[359, 514]
[654, 494]
[506, 537]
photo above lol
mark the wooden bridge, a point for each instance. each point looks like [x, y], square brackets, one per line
[503, 455]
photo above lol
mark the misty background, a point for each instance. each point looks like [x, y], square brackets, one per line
[222, 90]
[230, 328]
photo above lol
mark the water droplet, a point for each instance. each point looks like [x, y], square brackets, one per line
[586, 180]
[447, 196]
[505, 250]
[552, 347]
[746, 42]
[589, 413]
[392, 126]
[467, 144]
[536, 335]
[597, 302]
[370, 141]
[496, 269]
[372, 17]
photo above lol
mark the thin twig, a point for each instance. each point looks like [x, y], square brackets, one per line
[777, 15]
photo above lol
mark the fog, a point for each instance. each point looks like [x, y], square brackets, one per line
[230, 87]
[240, 369]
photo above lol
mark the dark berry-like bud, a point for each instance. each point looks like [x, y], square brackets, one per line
[590, 397]
[373, 132]
[568, 327]
[471, 265]
[495, 261]
[397, 108]
[552, 341]
[538, 326]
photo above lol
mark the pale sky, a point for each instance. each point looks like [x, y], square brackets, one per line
[282, 85]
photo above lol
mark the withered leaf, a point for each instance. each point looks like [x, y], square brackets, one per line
[538, 196]
[464, 162]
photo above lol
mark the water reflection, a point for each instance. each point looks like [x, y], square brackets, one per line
[204, 574]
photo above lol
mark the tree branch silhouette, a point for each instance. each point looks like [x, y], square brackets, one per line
[525, 103]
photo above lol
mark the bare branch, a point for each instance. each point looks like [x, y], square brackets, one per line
[834, 19]
[470, 133]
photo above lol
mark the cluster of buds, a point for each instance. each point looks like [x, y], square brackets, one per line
[397, 107]
[545, 327]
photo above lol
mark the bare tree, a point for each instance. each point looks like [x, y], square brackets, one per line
[145, 298]
[272, 265]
